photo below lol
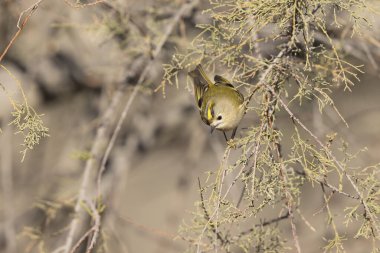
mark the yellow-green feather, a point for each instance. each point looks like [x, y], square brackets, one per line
[207, 93]
[210, 113]
[201, 83]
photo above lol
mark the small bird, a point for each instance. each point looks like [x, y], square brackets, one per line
[220, 104]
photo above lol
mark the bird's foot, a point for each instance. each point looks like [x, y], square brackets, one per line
[232, 143]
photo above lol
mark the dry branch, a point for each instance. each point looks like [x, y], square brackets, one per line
[106, 135]
[21, 23]
[98, 147]
[372, 218]
[83, 5]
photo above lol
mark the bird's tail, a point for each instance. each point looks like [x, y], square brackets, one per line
[201, 83]
[199, 74]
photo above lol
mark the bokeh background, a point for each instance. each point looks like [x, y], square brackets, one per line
[70, 61]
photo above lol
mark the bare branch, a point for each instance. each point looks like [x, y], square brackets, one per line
[84, 5]
[372, 218]
[103, 144]
[169, 30]
[207, 216]
[92, 163]
[265, 223]
[21, 25]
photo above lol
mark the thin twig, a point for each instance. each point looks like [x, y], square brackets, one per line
[289, 204]
[338, 164]
[338, 245]
[264, 76]
[328, 185]
[219, 199]
[207, 216]
[97, 150]
[21, 25]
[253, 168]
[306, 221]
[81, 240]
[102, 147]
[94, 230]
[84, 5]
[260, 84]
[96, 217]
[264, 224]
[271, 100]
[168, 31]
[147, 229]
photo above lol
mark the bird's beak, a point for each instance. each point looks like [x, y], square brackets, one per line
[212, 129]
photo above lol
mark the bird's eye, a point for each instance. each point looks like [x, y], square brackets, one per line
[219, 117]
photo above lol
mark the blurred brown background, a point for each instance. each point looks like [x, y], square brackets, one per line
[69, 64]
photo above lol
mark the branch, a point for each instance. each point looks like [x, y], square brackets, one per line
[271, 101]
[20, 26]
[21, 23]
[169, 30]
[264, 224]
[252, 169]
[97, 150]
[94, 229]
[83, 5]
[264, 76]
[103, 143]
[349, 46]
[220, 199]
[208, 218]
[328, 152]
[161, 234]
[325, 183]
[288, 195]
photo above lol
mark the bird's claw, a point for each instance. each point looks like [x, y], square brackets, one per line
[232, 143]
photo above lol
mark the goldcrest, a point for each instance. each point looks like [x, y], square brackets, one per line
[220, 104]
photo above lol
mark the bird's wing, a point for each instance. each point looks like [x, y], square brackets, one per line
[219, 80]
[201, 83]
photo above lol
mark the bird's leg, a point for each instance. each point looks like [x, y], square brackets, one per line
[233, 133]
[225, 136]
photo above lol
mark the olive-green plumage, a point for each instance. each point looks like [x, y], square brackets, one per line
[221, 105]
